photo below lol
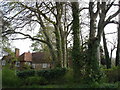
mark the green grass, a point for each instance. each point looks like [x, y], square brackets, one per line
[104, 85]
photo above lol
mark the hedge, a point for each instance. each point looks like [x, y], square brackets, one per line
[47, 74]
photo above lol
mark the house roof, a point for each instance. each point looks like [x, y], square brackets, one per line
[37, 57]
[27, 56]
[41, 57]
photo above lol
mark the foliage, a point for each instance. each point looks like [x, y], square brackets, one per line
[35, 80]
[25, 73]
[68, 78]
[52, 74]
[77, 62]
[49, 75]
[112, 74]
[26, 67]
[9, 79]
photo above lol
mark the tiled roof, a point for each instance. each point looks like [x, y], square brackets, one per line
[27, 56]
[37, 57]
[40, 57]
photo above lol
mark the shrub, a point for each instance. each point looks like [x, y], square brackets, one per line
[35, 80]
[112, 74]
[52, 74]
[9, 79]
[69, 76]
[25, 73]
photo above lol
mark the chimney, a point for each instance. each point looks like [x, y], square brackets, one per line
[16, 52]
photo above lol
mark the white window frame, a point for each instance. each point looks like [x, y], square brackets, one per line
[44, 65]
[17, 64]
[3, 62]
[28, 63]
[33, 65]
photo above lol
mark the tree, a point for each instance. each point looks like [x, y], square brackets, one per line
[107, 58]
[95, 34]
[76, 41]
[93, 70]
[38, 13]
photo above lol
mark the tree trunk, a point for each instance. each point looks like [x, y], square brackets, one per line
[76, 41]
[64, 50]
[92, 69]
[107, 58]
[58, 47]
[51, 49]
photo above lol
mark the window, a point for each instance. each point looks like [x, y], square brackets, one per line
[28, 63]
[17, 64]
[33, 65]
[44, 65]
[3, 62]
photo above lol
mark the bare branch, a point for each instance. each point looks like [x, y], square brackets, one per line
[108, 8]
[83, 9]
[111, 17]
[26, 36]
[110, 33]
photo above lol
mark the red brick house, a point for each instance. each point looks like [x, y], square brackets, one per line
[37, 60]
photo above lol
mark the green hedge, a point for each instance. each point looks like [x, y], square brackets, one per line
[35, 80]
[113, 74]
[52, 73]
[47, 74]
[26, 73]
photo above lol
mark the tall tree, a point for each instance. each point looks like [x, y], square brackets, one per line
[39, 13]
[76, 40]
[94, 40]
[93, 70]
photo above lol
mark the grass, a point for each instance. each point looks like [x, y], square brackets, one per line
[104, 85]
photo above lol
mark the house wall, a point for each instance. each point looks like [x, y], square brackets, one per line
[28, 57]
[42, 66]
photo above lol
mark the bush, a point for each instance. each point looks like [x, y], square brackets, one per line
[52, 74]
[69, 76]
[112, 74]
[35, 80]
[9, 79]
[25, 73]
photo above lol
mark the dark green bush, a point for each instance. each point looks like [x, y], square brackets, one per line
[68, 78]
[25, 73]
[52, 74]
[113, 74]
[35, 80]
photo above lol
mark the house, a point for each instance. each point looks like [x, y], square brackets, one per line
[36, 60]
